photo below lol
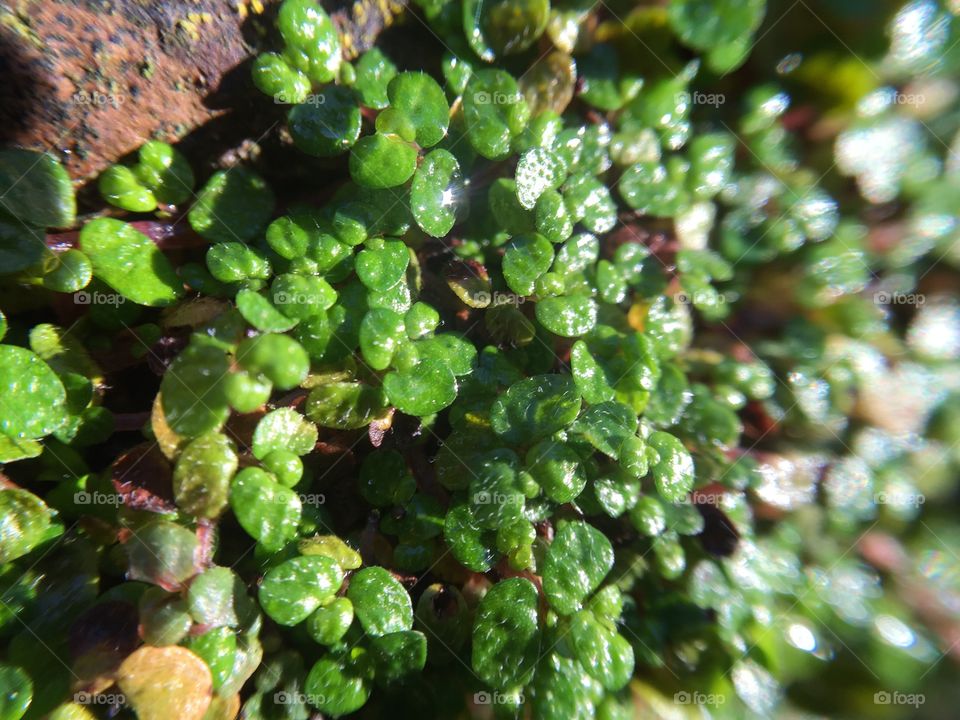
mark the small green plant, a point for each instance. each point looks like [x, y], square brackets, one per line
[582, 395]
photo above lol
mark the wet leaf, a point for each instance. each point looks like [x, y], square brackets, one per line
[380, 602]
[437, 193]
[327, 125]
[201, 478]
[130, 263]
[36, 189]
[534, 408]
[265, 509]
[576, 562]
[506, 634]
[293, 590]
[234, 205]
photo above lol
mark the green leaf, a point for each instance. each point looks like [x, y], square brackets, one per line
[398, 656]
[527, 257]
[589, 375]
[279, 357]
[380, 602]
[328, 624]
[218, 597]
[302, 296]
[218, 649]
[383, 264]
[494, 110]
[711, 163]
[604, 653]
[588, 201]
[605, 426]
[120, 186]
[503, 27]
[16, 692]
[327, 125]
[567, 316]
[233, 261]
[345, 405]
[551, 217]
[557, 469]
[534, 408]
[705, 24]
[192, 391]
[283, 429]
[261, 313]
[421, 100]
[648, 188]
[130, 263]
[562, 691]
[32, 397]
[334, 548]
[68, 271]
[385, 479]
[673, 469]
[274, 76]
[234, 205]
[35, 189]
[448, 349]
[538, 170]
[24, 522]
[505, 207]
[381, 333]
[165, 171]
[162, 553]
[312, 41]
[340, 684]
[268, 511]
[425, 389]
[437, 193]
[374, 73]
[576, 562]
[21, 246]
[201, 478]
[506, 634]
[294, 589]
[382, 161]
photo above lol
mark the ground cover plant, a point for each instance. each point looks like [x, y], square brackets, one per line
[605, 365]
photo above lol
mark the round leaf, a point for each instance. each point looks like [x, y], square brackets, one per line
[506, 634]
[327, 125]
[161, 683]
[293, 590]
[436, 193]
[380, 602]
[576, 562]
[129, 262]
[427, 388]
